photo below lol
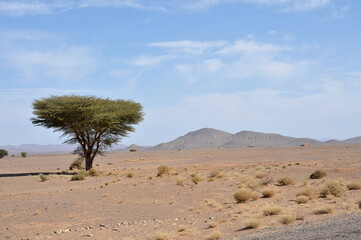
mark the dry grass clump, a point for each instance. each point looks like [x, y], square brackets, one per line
[302, 199]
[43, 178]
[196, 179]
[77, 164]
[93, 173]
[272, 210]
[323, 210]
[216, 174]
[242, 195]
[130, 175]
[333, 188]
[256, 195]
[162, 236]
[252, 223]
[318, 174]
[311, 193]
[163, 170]
[181, 181]
[260, 175]
[268, 193]
[287, 219]
[354, 186]
[285, 181]
[80, 176]
[216, 235]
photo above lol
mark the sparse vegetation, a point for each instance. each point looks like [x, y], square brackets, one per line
[93, 172]
[354, 186]
[287, 219]
[77, 164]
[256, 195]
[272, 210]
[216, 235]
[3, 153]
[318, 174]
[260, 175]
[163, 170]
[323, 210]
[162, 236]
[285, 181]
[302, 199]
[80, 176]
[196, 179]
[252, 223]
[268, 193]
[333, 188]
[130, 175]
[242, 195]
[181, 181]
[24, 154]
[43, 178]
[309, 192]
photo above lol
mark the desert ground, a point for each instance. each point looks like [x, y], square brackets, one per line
[194, 200]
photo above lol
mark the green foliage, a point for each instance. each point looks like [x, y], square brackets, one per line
[95, 123]
[24, 154]
[3, 153]
[133, 150]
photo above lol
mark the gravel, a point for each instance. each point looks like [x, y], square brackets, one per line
[344, 227]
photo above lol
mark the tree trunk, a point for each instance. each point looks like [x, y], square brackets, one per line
[88, 162]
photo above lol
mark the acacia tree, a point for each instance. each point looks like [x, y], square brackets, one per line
[3, 153]
[94, 123]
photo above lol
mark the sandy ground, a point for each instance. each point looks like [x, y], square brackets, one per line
[114, 206]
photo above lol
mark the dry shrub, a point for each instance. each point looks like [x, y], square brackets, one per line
[93, 173]
[323, 210]
[256, 195]
[260, 175]
[267, 180]
[311, 193]
[162, 236]
[197, 179]
[43, 178]
[268, 193]
[354, 186]
[287, 219]
[253, 185]
[130, 175]
[252, 223]
[212, 203]
[216, 174]
[318, 174]
[302, 199]
[80, 176]
[77, 164]
[272, 210]
[163, 170]
[333, 188]
[285, 181]
[216, 235]
[242, 195]
[181, 181]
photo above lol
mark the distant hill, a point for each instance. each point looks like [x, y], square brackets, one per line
[213, 138]
[52, 149]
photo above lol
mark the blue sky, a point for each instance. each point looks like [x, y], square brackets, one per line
[285, 66]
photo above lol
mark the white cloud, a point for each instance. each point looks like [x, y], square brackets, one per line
[242, 46]
[186, 46]
[148, 61]
[65, 64]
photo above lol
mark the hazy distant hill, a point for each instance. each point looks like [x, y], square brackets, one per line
[202, 138]
[36, 149]
[213, 138]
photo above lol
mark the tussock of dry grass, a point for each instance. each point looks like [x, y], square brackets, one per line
[323, 210]
[286, 181]
[311, 193]
[256, 195]
[162, 236]
[287, 219]
[242, 195]
[216, 235]
[43, 178]
[333, 188]
[272, 210]
[93, 173]
[260, 175]
[354, 186]
[163, 170]
[268, 193]
[181, 181]
[302, 199]
[252, 223]
[318, 174]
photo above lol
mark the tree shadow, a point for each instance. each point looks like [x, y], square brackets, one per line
[4, 175]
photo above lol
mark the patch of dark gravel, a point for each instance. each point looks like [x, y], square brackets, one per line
[343, 227]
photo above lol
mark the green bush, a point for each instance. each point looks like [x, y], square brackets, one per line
[24, 154]
[3, 153]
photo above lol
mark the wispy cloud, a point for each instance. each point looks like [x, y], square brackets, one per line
[19, 7]
[149, 61]
[186, 46]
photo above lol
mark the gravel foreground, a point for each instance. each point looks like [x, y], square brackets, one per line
[347, 226]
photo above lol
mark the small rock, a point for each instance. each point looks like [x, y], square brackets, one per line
[87, 235]
[58, 231]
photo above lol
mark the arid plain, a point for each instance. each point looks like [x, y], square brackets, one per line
[129, 201]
